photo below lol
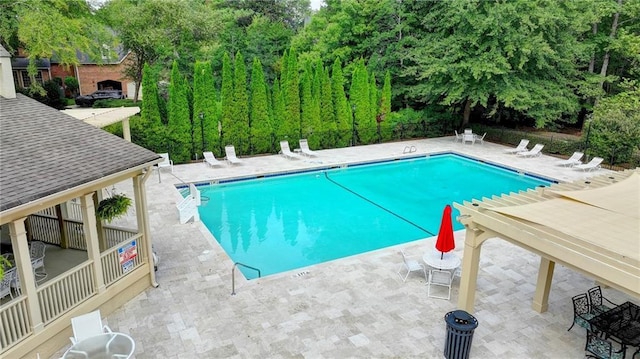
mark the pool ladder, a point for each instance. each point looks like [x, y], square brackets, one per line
[233, 275]
[409, 149]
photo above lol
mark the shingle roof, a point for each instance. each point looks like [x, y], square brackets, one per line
[44, 151]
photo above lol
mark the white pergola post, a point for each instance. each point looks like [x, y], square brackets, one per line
[543, 286]
[126, 130]
[91, 237]
[25, 271]
[142, 217]
[469, 277]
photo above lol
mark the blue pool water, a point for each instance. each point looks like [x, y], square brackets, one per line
[282, 223]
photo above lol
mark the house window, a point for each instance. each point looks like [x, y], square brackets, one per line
[26, 79]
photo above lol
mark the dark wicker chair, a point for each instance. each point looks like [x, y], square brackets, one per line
[597, 347]
[581, 311]
[596, 301]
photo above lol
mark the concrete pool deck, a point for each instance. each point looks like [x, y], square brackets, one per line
[352, 307]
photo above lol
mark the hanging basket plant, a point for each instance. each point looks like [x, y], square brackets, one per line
[113, 207]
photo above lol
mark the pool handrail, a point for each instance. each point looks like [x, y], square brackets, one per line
[233, 275]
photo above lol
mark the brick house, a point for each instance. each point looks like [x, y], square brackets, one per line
[93, 76]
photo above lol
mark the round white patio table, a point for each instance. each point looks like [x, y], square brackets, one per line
[107, 345]
[449, 260]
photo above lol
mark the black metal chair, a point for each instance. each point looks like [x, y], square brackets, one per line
[597, 347]
[596, 301]
[581, 311]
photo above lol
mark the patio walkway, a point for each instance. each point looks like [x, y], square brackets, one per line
[352, 307]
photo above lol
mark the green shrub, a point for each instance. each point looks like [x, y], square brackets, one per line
[115, 103]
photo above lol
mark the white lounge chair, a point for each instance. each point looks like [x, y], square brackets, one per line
[594, 164]
[410, 265]
[522, 147]
[481, 138]
[534, 152]
[439, 278]
[230, 151]
[87, 326]
[166, 162]
[571, 161]
[458, 136]
[210, 159]
[286, 151]
[304, 148]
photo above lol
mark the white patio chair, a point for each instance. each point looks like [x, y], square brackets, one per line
[442, 279]
[410, 265]
[37, 251]
[468, 131]
[87, 325]
[469, 137]
[458, 136]
[230, 151]
[571, 161]
[304, 148]
[480, 138]
[534, 152]
[7, 281]
[286, 151]
[593, 165]
[166, 162]
[210, 159]
[522, 147]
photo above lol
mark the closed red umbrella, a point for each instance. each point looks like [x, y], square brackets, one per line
[445, 242]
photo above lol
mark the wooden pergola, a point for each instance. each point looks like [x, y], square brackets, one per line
[591, 226]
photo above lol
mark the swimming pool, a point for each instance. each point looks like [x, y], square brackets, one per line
[287, 222]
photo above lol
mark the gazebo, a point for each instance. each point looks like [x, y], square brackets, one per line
[53, 169]
[591, 226]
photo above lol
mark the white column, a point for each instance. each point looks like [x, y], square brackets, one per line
[25, 272]
[126, 130]
[142, 217]
[469, 277]
[543, 286]
[91, 237]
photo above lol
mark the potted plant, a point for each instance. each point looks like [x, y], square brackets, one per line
[113, 207]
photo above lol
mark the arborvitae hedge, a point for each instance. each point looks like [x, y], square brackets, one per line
[154, 134]
[226, 99]
[179, 125]
[259, 119]
[386, 126]
[240, 121]
[205, 129]
[341, 106]
[327, 112]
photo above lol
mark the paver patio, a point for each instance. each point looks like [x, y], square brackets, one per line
[352, 307]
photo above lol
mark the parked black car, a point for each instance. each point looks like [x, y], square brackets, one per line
[88, 100]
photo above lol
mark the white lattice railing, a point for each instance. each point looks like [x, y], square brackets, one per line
[66, 291]
[112, 266]
[14, 322]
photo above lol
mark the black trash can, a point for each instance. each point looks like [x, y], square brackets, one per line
[460, 327]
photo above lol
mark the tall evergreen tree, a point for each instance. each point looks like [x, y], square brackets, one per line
[239, 129]
[315, 121]
[327, 113]
[373, 106]
[343, 118]
[205, 123]
[153, 128]
[359, 98]
[179, 125]
[386, 127]
[306, 126]
[278, 112]
[291, 92]
[259, 119]
[226, 100]
[284, 68]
